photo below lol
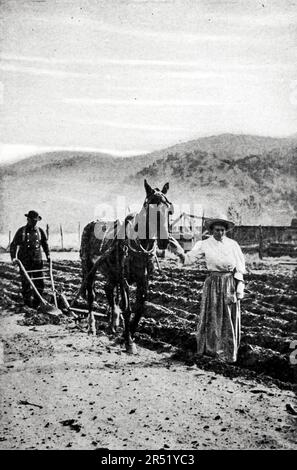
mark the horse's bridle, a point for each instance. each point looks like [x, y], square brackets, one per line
[163, 199]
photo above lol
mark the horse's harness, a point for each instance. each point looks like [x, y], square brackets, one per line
[138, 250]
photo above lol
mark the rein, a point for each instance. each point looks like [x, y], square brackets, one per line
[142, 251]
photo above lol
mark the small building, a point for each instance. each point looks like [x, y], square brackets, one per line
[187, 229]
[248, 234]
[272, 240]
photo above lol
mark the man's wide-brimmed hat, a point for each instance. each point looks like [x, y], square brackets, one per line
[210, 222]
[33, 215]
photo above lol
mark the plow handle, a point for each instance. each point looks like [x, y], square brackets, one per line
[30, 281]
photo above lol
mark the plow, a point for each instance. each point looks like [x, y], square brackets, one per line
[45, 306]
[61, 303]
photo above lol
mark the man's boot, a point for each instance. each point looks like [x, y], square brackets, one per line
[36, 302]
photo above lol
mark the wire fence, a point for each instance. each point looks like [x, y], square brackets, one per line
[58, 238]
[267, 241]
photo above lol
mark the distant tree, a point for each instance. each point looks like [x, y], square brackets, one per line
[245, 209]
[234, 214]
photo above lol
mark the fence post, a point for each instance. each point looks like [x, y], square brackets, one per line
[202, 224]
[61, 233]
[260, 242]
[9, 238]
[47, 231]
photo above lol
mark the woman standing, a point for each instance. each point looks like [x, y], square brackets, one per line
[218, 332]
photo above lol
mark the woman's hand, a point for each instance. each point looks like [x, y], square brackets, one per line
[240, 290]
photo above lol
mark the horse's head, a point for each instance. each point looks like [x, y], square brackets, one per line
[157, 208]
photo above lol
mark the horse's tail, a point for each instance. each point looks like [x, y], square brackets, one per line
[85, 254]
[84, 250]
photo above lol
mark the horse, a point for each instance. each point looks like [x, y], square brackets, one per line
[124, 253]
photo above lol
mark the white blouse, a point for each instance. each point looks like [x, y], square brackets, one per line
[224, 255]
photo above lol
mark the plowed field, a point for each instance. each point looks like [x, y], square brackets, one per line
[269, 313]
[61, 388]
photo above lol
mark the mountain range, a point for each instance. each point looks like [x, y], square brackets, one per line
[252, 178]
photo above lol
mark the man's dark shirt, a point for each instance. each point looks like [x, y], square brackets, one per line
[30, 240]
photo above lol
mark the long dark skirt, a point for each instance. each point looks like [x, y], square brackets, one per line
[218, 332]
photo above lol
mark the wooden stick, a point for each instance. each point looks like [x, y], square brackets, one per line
[61, 234]
[36, 270]
[260, 242]
[40, 277]
[81, 310]
[52, 282]
[25, 402]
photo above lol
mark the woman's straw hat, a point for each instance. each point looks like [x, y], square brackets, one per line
[221, 220]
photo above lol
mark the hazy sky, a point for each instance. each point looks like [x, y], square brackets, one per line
[129, 76]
